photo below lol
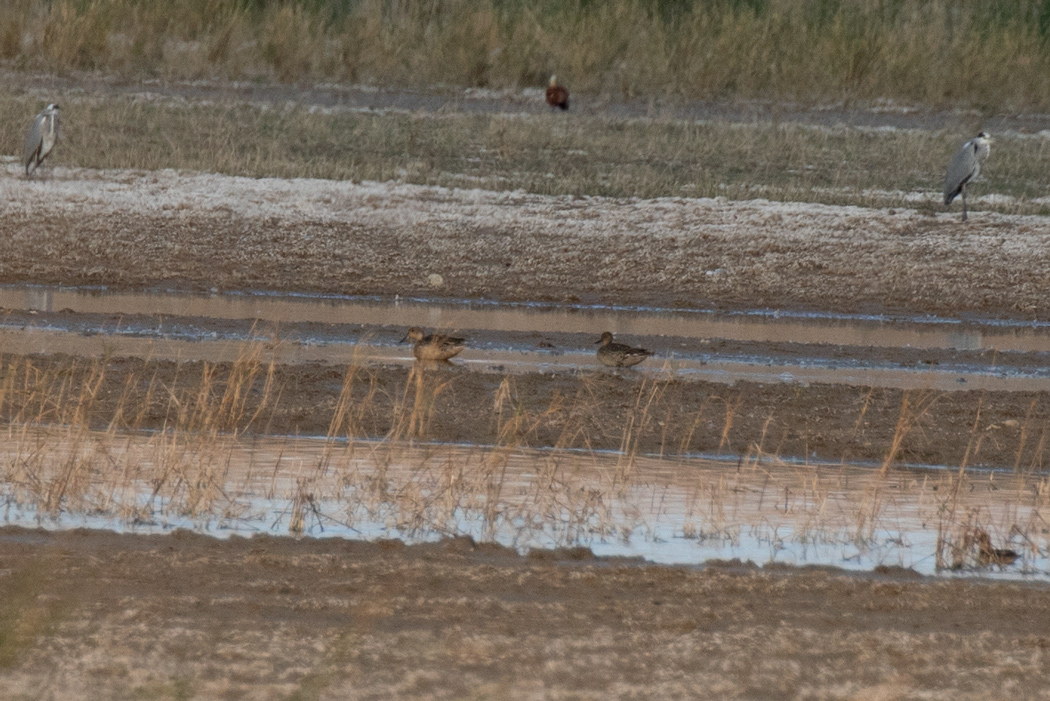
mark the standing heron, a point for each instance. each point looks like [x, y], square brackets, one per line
[42, 137]
[965, 167]
[557, 95]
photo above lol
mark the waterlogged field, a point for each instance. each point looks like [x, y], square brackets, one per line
[672, 511]
[172, 463]
[830, 481]
[155, 445]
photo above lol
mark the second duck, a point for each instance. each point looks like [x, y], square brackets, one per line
[619, 355]
[434, 346]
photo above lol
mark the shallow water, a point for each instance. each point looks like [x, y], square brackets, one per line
[669, 511]
[759, 326]
[516, 361]
[183, 333]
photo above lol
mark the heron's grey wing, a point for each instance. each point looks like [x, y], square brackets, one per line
[34, 140]
[961, 170]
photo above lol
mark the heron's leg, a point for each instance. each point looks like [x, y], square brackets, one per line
[964, 202]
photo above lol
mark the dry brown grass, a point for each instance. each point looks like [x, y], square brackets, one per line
[972, 53]
[587, 155]
[61, 460]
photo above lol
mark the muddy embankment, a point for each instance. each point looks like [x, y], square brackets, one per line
[164, 229]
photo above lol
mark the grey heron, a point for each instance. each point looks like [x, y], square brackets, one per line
[42, 137]
[965, 166]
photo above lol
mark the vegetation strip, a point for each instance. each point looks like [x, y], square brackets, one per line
[587, 155]
[971, 54]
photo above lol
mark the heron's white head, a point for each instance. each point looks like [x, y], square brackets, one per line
[554, 80]
[52, 107]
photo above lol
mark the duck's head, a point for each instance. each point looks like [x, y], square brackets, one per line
[414, 334]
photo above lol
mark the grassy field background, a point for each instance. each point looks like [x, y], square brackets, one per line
[972, 53]
[543, 154]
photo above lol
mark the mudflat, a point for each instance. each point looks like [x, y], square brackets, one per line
[129, 229]
[99, 615]
[102, 615]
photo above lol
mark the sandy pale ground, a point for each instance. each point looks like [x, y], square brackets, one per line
[95, 615]
[149, 229]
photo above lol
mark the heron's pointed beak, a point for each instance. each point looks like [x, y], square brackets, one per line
[598, 341]
[404, 339]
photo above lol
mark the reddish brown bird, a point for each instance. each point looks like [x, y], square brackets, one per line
[557, 95]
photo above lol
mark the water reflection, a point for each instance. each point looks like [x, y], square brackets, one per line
[671, 511]
[687, 325]
[40, 299]
[31, 340]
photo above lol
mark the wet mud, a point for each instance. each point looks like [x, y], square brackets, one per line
[599, 410]
[136, 231]
[99, 615]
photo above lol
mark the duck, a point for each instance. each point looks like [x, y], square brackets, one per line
[433, 346]
[619, 355]
[557, 95]
[987, 555]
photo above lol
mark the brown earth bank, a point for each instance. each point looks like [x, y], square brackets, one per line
[98, 615]
[129, 229]
[599, 410]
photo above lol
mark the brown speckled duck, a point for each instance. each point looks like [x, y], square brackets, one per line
[619, 355]
[434, 346]
[989, 555]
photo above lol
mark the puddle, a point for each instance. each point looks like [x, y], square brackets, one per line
[766, 327]
[504, 338]
[668, 511]
[727, 371]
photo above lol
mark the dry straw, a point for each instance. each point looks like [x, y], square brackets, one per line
[69, 452]
[972, 53]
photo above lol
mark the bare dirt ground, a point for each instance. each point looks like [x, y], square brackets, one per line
[164, 229]
[104, 616]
